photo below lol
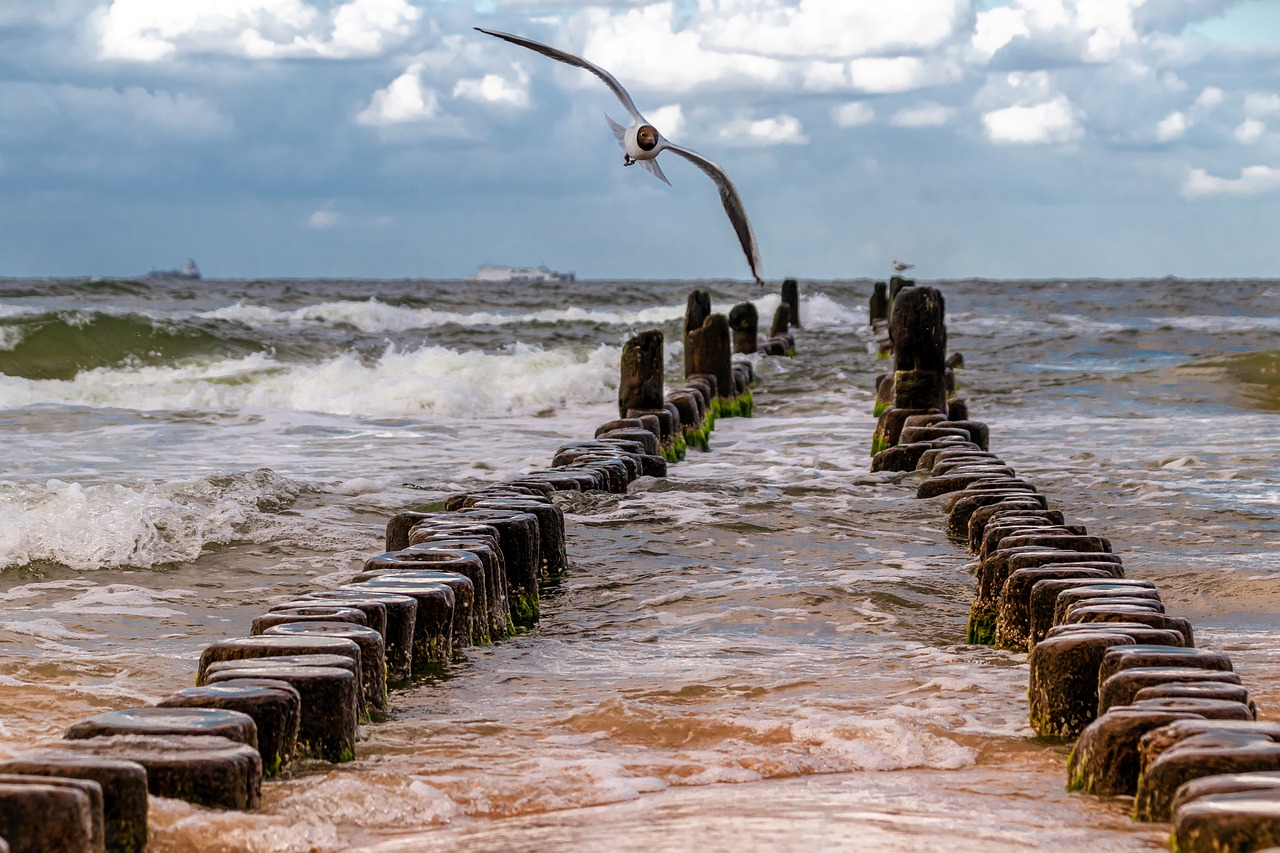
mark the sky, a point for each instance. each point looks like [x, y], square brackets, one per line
[389, 139]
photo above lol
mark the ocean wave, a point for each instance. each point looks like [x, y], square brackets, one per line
[373, 316]
[1223, 324]
[61, 344]
[136, 525]
[431, 381]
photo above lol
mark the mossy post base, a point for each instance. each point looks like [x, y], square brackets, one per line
[276, 711]
[328, 709]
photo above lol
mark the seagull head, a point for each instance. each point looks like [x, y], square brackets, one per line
[647, 137]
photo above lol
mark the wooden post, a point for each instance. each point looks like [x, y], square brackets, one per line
[879, 303]
[917, 328]
[791, 296]
[707, 350]
[744, 319]
[897, 283]
[642, 361]
[781, 321]
[695, 314]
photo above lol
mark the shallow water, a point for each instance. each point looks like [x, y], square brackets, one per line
[763, 651]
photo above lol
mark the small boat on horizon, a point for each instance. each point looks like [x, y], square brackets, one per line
[532, 275]
[188, 272]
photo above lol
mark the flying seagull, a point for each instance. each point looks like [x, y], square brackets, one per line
[899, 266]
[642, 143]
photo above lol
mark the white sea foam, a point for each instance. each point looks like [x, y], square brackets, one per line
[373, 316]
[142, 525]
[1223, 324]
[819, 311]
[432, 381]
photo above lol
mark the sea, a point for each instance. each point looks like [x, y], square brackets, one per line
[763, 651]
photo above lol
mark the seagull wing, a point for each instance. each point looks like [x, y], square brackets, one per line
[619, 132]
[732, 205]
[577, 61]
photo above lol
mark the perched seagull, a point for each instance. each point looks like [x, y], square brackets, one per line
[642, 143]
[899, 266]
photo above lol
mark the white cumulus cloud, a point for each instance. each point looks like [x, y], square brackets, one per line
[1173, 126]
[1250, 131]
[152, 30]
[829, 28]
[495, 89]
[1047, 122]
[776, 130]
[404, 100]
[1253, 180]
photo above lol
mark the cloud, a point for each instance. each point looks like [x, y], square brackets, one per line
[1047, 122]
[1176, 124]
[853, 114]
[668, 119]
[494, 89]
[829, 28]
[404, 100]
[1253, 180]
[1173, 126]
[323, 218]
[927, 114]
[778, 130]
[1209, 97]
[154, 30]
[1262, 104]
[1250, 131]
[997, 27]
[629, 43]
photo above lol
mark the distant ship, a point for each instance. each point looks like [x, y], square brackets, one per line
[188, 271]
[533, 275]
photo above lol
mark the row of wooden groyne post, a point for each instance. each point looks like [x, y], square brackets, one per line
[312, 671]
[1152, 717]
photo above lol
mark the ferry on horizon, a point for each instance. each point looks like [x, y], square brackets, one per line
[534, 275]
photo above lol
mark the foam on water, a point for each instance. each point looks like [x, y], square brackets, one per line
[374, 316]
[521, 380]
[139, 525]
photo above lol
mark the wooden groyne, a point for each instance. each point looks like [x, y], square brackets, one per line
[1151, 715]
[310, 672]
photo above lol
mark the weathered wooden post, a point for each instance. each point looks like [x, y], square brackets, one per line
[781, 321]
[879, 304]
[698, 310]
[896, 285]
[744, 319]
[707, 350]
[917, 328]
[641, 384]
[791, 296]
